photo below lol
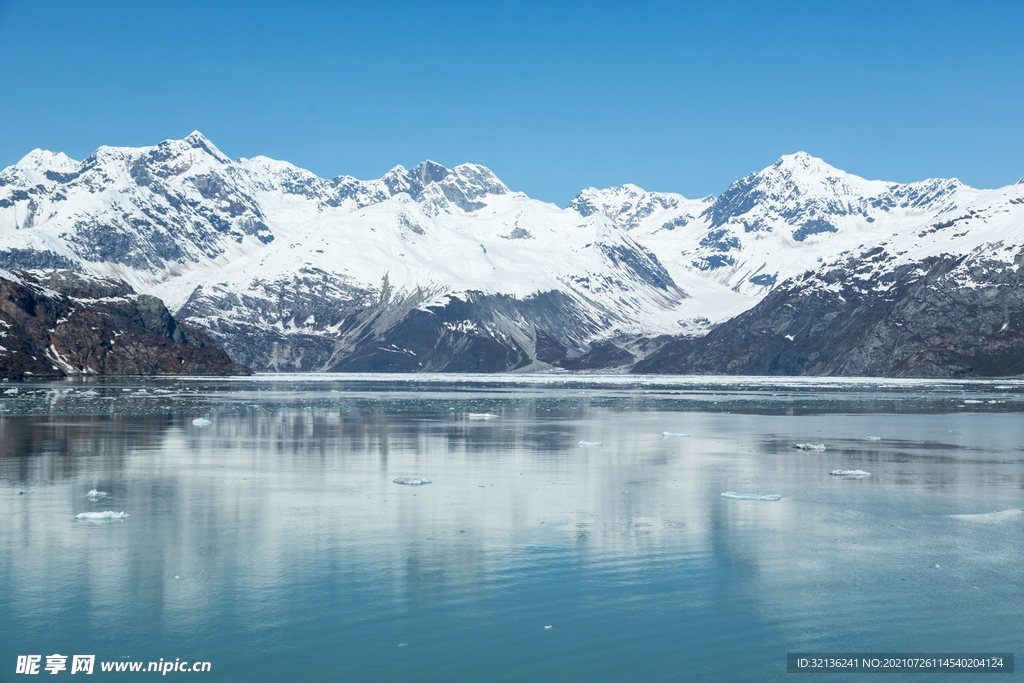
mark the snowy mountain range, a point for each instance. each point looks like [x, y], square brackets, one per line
[437, 269]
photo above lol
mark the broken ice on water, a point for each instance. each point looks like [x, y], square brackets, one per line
[852, 474]
[109, 514]
[201, 422]
[480, 416]
[810, 446]
[669, 435]
[587, 444]
[96, 495]
[751, 496]
[411, 481]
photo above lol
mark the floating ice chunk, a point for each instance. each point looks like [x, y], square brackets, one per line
[992, 517]
[810, 446]
[853, 474]
[480, 416]
[201, 422]
[588, 444]
[178, 578]
[751, 496]
[872, 438]
[96, 495]
[109, 514]
[412, 481]
[549, 627]
[669, 435]
[971, 400]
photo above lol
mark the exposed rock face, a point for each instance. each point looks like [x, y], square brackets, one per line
[949, 316]
[58, 323]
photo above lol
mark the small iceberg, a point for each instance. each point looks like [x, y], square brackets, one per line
[673, 435]
[810, 446]
[480, 416]
[96, 495]
[852, 474]
[992, 517]
[109, 514]
[872, 438]
[751, 496]
[411, 481]
[588, 444]
[201, 422]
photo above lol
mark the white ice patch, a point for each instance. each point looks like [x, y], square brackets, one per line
[109, 514]
[96, 495]
[854, 474]
[671, 435]
[751, 496]
[480, 416]
[411, 481]
[992, 517]
[810, 446]
[872, 438]
[201, 422]
[588, 444]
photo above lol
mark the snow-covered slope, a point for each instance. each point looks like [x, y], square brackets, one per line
[427, 267]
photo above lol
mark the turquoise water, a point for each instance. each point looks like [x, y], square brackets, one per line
[273, 544]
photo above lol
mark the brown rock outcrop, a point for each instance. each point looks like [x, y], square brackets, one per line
[58, 323]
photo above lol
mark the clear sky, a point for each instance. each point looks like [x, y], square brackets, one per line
[552, 96]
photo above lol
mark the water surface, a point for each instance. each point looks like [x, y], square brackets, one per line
[274, 544]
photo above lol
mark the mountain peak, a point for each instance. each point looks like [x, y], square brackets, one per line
[197, 140]
[804, 165]
[428, 171]
[42, 160]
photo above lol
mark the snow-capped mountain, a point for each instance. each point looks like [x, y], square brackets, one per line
[443, 269]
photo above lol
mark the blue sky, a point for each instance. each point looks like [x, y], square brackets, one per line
[553, 97]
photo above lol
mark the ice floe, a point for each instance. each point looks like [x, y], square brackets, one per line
[851, 474]
[96, 495]
[201, 422]
[480, 416]
[751, 496]
[810, 446]
[109, 514]
[587, 444]
[412, 481]
[670, 435]
[992, 517]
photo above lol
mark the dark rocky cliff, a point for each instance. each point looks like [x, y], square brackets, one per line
[58, 323]
[946, 316]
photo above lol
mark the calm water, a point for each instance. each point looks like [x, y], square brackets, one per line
[273, 544]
